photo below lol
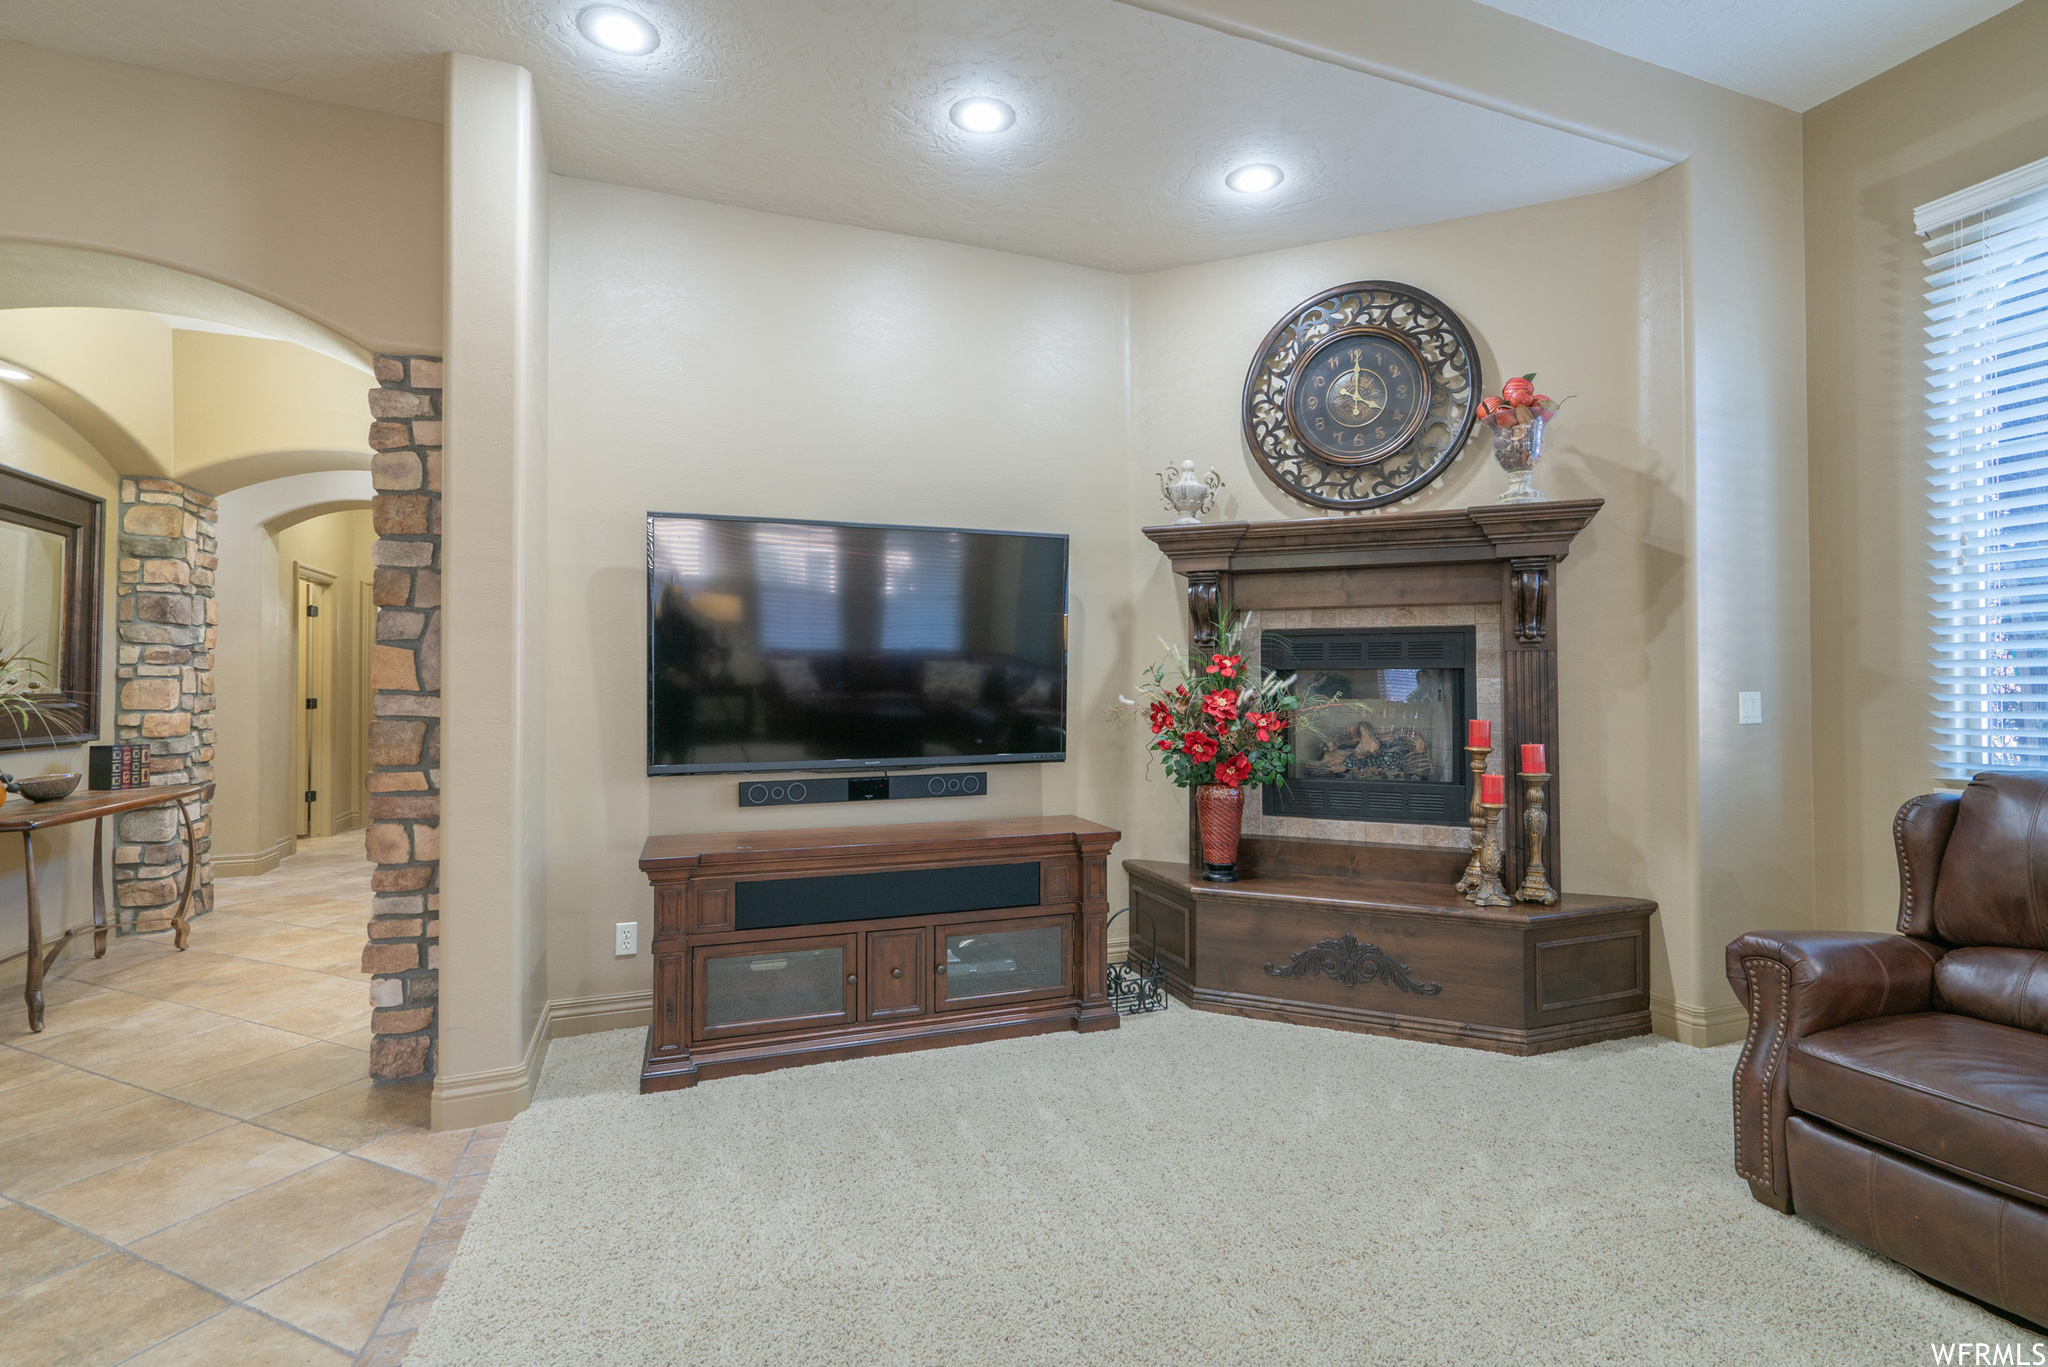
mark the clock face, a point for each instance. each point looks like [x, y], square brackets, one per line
[1359, 397]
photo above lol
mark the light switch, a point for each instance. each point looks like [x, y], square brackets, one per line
[1749, 709]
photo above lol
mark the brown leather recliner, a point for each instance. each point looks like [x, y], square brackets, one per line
[1894, 1088]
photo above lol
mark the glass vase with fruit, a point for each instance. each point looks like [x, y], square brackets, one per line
[1515, 418]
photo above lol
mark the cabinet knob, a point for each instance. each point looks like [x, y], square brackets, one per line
[853, 977]
[942, 970]
[895, 972]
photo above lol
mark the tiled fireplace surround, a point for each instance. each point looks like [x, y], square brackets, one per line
[1486, 671]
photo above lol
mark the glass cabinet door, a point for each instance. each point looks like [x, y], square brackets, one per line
[1006, 959]
[751, 990]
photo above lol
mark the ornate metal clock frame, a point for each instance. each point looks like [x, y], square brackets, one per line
[1400, 322]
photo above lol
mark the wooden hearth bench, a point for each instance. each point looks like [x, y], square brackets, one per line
[774, 948]
[1375, 939]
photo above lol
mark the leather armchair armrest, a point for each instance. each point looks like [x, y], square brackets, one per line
[1797, 983]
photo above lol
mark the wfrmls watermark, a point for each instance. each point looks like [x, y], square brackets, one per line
[2015, 1354]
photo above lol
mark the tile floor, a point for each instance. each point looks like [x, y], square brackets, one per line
[195, 1167]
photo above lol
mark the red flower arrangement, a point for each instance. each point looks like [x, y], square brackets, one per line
[1216, 720]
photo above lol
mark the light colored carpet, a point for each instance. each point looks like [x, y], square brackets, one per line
[1190, 1189]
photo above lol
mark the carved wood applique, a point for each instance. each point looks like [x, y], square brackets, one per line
[1529, 581]
[1352, 964]
[1205, 607]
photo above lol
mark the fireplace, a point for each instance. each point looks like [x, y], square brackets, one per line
[1381, 734]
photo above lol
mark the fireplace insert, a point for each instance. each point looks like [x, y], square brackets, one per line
[1382, 729]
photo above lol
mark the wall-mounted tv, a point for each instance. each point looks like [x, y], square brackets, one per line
[781, 645]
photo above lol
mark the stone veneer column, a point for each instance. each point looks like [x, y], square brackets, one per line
[404, 838]
[164, 623]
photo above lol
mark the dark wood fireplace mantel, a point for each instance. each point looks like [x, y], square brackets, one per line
[1372, 937]
[1503, 553]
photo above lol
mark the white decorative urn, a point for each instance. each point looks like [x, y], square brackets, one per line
[1188, 494]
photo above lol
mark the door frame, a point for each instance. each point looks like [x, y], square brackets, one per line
[313, 653]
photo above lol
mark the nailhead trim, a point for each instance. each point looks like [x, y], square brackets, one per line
[1777, 1056]
[1905, 869]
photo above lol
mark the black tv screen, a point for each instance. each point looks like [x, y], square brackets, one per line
[820, 645]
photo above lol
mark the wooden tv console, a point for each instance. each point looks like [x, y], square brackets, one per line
[775, 948]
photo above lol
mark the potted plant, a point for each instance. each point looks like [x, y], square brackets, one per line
[23, 687]
[1219, 727]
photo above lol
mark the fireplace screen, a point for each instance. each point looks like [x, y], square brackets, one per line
[1379, 725]
[1381, 734]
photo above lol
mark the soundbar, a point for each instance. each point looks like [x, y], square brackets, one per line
[881, 788]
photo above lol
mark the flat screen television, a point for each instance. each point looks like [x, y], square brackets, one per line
[781, 645]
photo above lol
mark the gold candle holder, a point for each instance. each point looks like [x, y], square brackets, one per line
[1469, 879]
[1490, 893]
[1535, 825]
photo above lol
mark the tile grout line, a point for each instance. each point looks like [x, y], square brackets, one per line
[400, 1341]
[312, 886]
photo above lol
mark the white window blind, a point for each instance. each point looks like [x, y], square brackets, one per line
[1987, 410]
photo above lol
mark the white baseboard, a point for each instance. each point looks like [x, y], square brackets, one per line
[1702, 1027]
[249, 865]
[571, 1016]
[472, 1099]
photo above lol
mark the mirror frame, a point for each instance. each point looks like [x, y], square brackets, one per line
[80, 518]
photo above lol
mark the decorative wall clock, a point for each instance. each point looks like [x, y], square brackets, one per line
[1361, 396]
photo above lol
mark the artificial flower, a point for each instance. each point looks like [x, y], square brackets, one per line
[1162, 717]
[1265, 724]
[1221, 706]
[1234, 770]
[1226, 665]
[1200, 745]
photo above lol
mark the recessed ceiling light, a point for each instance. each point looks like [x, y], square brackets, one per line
[980, 114]
[8, 372]
[618, 30]
[1255, 179]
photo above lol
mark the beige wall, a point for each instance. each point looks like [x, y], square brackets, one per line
[494, 790]
[1588, 273]
[254, 408]
[332, 212]
[215, 410]
[1740, 797]
[254, 811]
[35, 441]
[1960, 113]
[947, 386]
[106, 373]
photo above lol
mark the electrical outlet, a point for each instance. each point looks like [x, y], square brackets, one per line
[1749, 709]
[628, 937]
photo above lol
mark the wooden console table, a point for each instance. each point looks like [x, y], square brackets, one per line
[30, 817]
[774, 948]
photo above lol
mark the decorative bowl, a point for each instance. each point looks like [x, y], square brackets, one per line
[47, 787]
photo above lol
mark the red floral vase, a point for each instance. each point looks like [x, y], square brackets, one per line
[1219, 812]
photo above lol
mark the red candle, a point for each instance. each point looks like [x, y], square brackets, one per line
[1479, 733]
[1493, 790]
[1532, 760]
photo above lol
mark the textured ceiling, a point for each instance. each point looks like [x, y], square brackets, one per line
[1796, 53]
[1126, 120]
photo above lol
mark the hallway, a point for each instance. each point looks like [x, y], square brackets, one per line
[194, 1164]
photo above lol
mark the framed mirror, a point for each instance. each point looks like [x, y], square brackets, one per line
[50, 572]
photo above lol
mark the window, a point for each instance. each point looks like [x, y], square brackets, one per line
[1987, 410]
